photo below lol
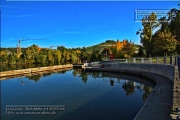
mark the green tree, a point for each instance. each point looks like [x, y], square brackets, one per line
[106, 52]
[11, 59]
[43, 59]
[28, 55]
[73, 57]
[67, 56]
[96, 55]
[164, 24]
[50, 58]
[165, 42]
[129, 48]
[4, 57]
[61, 48]
[175, 22]
[43, 55]
[149, 23]
[140, 52]
[114, 51]
[174, 26]
[37, 58]
[56, 56]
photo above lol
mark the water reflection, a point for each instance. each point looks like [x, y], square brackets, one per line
[88, 95]
[129, 85]
[37, 76]
[147, 92]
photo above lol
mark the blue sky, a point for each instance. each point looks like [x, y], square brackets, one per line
[71, 24]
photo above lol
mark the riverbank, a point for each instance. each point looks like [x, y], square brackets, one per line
[12, 73]
[5, 67]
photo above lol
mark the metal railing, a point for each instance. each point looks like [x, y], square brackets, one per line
[151, 60]
[172, 60]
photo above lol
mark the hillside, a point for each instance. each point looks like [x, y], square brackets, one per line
[100, 46]
[106, 44]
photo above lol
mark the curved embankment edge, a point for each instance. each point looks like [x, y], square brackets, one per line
[159, 103]
[169, 71]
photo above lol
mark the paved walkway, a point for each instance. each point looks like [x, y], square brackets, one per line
[158, 105]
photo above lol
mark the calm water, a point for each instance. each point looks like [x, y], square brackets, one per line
[85, 95]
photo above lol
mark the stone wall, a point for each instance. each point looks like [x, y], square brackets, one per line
[169, 71]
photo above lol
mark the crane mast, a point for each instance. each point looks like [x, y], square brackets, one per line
[19, 45]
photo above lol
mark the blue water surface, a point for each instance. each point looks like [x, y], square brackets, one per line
[85, 95]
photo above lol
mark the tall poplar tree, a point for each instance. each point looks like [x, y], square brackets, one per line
[149, 23]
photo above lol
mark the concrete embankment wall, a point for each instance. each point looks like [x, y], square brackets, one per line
[159, 104]
[5, 74]
[169, 71]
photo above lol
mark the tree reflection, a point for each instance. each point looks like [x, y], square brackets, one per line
[84, 76]
[96, 75]
[61, 72]
[35, 77]
[76, 72]
[112, 82]
[46, 74]
[129, 87]
[147, 92]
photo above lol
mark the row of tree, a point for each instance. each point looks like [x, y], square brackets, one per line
[35, 54]
[161, 36]
[61, 55]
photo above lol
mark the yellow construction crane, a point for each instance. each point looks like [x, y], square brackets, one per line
[19, 44]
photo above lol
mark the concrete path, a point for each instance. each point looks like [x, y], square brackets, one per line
[158, 105]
